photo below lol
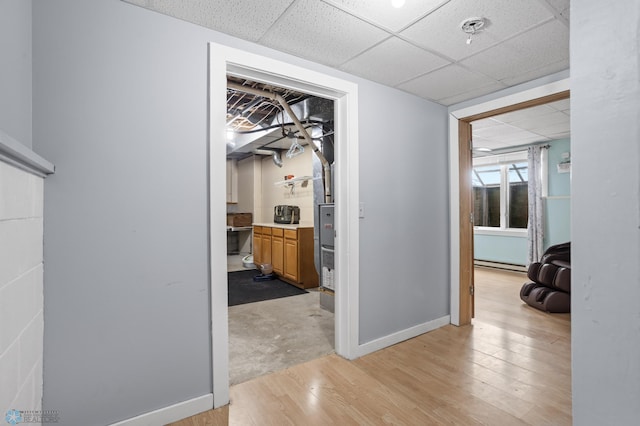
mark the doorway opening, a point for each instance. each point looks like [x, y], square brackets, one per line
[462, 202]
[502, 184]
[224, 62]
[280, 151]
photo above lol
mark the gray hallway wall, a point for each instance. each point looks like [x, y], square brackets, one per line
[605, 127]
[120, 104]
[15, 69]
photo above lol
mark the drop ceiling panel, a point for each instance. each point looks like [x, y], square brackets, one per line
[547, 129]
[559, 5]
[536, 124]
[485, 123]
[240, 18]
[539, 47]
[381, 63]
[471, 94]
[317, 31]
[448, 81]
[541, 121]
[563, 105]
[562, 135]
[440, 31]
[536, 72]
[523, 114]
[502, 133]
[382, 13]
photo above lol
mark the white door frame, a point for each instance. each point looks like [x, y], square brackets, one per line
[225, 60]
[454, 171]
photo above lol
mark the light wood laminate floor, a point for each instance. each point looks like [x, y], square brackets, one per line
[511, 367]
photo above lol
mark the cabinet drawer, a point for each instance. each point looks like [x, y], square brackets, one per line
[266, 230]
[291, 234]
[277, 232]
[257, 229]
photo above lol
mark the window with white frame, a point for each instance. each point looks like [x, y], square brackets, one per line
[500, 192]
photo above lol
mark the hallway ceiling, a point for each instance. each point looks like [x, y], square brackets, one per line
[419, 48]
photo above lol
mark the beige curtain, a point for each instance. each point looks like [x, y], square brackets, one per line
[535, 227]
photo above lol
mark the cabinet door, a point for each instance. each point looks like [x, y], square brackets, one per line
[291, 259]
[277, 254]
[266, 248]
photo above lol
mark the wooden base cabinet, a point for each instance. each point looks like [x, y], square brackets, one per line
[277, 250]
[261, 245]
[290, 252]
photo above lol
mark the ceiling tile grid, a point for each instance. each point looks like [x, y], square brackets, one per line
[535, 48]
[314, 30]
[536, 73]
[563, 105]
[392, 62]
[440, 31]
[471, 94]
[561, 6]
[541, 123]
[383, 14]
[446, 82]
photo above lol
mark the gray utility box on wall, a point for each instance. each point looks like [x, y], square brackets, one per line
[326, 234]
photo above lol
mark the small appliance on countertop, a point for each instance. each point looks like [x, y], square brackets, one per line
[286, 214]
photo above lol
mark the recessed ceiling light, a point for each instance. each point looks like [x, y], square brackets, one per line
[397, 3]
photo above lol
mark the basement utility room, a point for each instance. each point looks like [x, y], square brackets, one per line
[280, 159]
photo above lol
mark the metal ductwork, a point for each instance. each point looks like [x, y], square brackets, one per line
[311, 112]
[314, 111]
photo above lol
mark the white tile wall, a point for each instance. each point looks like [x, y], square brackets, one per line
[21, 289]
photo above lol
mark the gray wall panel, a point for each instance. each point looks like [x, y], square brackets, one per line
[15, 69]
[605, 212]
[404, 241]
[120, 102]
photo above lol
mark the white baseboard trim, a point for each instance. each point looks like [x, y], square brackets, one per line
[172, 413]
[401, 336]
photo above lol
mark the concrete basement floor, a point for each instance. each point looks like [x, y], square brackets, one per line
[273, 335]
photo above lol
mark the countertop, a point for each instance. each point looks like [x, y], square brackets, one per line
[284, 225]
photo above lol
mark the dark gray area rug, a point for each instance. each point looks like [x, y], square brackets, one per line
[243, 289]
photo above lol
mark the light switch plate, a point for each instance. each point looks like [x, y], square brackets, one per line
[361, 211]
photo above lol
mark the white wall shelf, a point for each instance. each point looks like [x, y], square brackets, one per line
[293, 181]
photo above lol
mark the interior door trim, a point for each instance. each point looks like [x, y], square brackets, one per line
[461, 300]
[224, 60]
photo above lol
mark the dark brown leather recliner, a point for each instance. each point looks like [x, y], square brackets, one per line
[550, 289]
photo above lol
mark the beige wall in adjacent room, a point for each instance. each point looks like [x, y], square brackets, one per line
[301, 196]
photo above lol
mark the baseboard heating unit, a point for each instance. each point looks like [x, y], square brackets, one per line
[498, 265]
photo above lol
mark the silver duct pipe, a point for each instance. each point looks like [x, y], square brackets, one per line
[326, 167]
